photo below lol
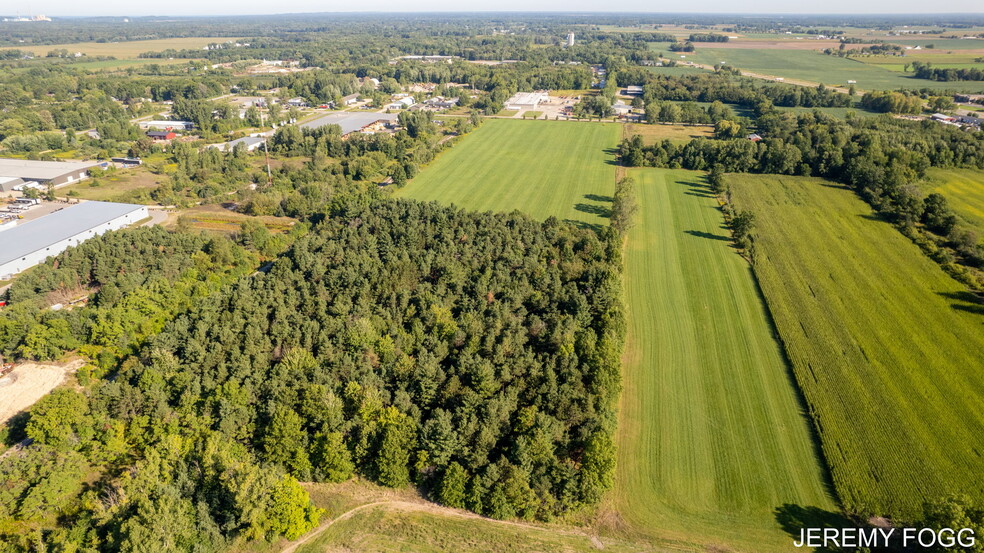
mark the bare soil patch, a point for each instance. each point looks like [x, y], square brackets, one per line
[29, 382]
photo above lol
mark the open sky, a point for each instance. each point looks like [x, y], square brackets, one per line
[248, 7]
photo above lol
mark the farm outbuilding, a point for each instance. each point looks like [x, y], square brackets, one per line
[29, 244]
[54, 173]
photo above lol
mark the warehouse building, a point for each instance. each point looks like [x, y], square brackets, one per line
[353, 122]
[53, 173]
[29, 244]
[527, 100]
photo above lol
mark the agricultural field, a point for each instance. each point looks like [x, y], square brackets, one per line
[886, 347]
[698, 460]
[963, 189]
[123, 50]
[545, 168]
[676, 70]
[713, 443]
[807, 65]
[111, 65]
[940, 60]
[938, 43]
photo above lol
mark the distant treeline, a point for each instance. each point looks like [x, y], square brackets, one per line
[708, 37]
[880, 158]
[927, 71]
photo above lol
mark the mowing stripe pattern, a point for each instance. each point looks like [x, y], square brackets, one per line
[712, 438]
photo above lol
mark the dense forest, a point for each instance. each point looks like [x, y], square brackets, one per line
[474, 355]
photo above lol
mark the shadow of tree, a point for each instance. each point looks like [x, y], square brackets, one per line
[583, 225]
[699, 189]
[613, 153]
[598, 198]
[965, 301]
[598, 210]
[709, 235]
[16, 429]
[794, 518]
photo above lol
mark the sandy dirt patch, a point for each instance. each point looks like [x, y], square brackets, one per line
[29, 382]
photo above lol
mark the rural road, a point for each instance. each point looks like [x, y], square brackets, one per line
[433, 509]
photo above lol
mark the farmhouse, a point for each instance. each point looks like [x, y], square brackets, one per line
[526, 100]
[54, 173]
[31, 243]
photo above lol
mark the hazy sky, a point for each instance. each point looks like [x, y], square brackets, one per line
[245, 7]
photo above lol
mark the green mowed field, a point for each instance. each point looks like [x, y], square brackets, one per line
[712, 437]
[963, 189]
[544, 168]
[816, 67]
[885, 346]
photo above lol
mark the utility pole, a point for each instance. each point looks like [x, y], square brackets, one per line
[266, 152]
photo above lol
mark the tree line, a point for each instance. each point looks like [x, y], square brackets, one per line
[880, 157]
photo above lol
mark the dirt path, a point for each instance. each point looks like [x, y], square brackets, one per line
[437, 510]
[28, 383]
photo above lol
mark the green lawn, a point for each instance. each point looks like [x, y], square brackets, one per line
[813, 66]
[712, 438]
[560, 168]
[885, 346]
[964, 190]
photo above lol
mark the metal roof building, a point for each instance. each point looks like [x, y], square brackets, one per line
[350, 122]
[56, 173]
[29, 244]
[249, 142]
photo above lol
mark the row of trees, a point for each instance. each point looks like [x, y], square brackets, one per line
[927, 71]
[881, 158]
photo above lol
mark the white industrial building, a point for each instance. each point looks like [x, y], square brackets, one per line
[29, 244]
[526, 100]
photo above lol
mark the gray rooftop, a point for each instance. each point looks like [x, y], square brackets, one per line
[40, 233]
[43, 170]
[246, 141]
[349, 121]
